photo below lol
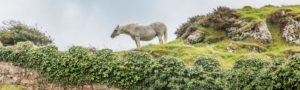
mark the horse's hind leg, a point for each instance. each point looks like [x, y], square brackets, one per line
[137, 42]
[160, 39]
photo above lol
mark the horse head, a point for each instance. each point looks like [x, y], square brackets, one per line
[116, 32]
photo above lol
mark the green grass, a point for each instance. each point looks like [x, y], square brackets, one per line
[10, 88]
[176, 48]
[217, 42]
[211, 35]
[188, 53]
[260, 14]
[256, 15]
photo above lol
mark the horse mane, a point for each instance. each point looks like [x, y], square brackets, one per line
[128, 26]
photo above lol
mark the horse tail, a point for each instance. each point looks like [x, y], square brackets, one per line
[165, 35]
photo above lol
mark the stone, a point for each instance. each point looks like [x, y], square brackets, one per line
[29, 79]
[114, 89]
[291, 32]
[229, 49]
[99, 87]
[87, 87]
[27, 82]
[242, 23]
[1, 43]
[267, 57]
[257, 31]
[231, 29]
[263, 33]
[196, 37]
[237, 25]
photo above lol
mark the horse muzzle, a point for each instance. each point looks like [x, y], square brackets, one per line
[112, 36]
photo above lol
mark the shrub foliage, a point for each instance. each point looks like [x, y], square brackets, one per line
[139, 71]
[15, 32]
[220, 19]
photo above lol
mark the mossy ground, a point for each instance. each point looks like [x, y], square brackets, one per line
[10, 88]
[217, 48]
[188, 53]
[260, 14]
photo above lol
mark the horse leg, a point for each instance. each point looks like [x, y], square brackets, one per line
[160, 39]
[137, 41]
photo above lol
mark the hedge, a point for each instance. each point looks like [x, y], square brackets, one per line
[14, 31]
[139, 71]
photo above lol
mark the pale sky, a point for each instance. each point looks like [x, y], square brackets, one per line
[90, 22]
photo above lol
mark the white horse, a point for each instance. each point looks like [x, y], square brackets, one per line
[143, 33]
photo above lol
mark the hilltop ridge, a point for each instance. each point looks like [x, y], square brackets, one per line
[221, 51]
[227, 35]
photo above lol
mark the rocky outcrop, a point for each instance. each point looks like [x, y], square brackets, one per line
[236, 28]
[291, 32]
[31, 80]
[237, 25]
[221, 18]
[196, 37]
[257, 31]
[225, 19]
[289, 26]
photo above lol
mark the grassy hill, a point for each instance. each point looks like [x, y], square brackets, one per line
[278, 48]
[250, 46]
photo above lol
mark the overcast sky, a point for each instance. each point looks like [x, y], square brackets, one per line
[90, 22]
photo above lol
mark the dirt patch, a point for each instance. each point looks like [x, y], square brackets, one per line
[235, 47]
[31, 80]
[292, 52]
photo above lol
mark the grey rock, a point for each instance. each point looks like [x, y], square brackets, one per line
[242, 23]
[257, 31]
[231, 29]
[263, 33]
[229, 49]
[196, 37]
[291, 32]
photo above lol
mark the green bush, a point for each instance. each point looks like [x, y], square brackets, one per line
[44, 57]
[288, 76]
[206, 74]
[198, 78]
[139, 71]
[76, 62]
[281, 74]
[165, 73]
[6, 54]
[207, 63]
[129, 72]
[15, 32]
[243, 73]
[266, 80]
[103, 63]
[22, 54]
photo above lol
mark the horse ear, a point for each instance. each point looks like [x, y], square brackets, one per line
[118, 26]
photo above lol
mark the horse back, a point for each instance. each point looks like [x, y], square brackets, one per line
[159, 27]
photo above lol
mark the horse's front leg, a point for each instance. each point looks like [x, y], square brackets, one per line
[137, 41]
[160, 39]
